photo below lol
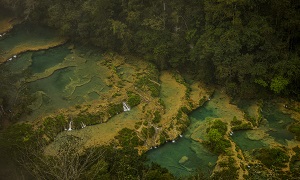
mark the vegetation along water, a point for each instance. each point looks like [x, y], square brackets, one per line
[197, 89]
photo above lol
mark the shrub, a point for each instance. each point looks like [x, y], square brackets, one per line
[157, 117]
[179, 115]
[145, 82]
[87, 118]
[17, 136]
[235, 122]
[251, 119]
[137, 124]
[230, 172]
[133, 99]
[162, 103]
[128, 138]
[115, 109]
[295, 128]
[202, 100]
[185, 110]
[145, 123]
[272, 157]
[294, 163]
[243, 126]
[53, 126]
[155, 89]
[219, 125]
[216, 141]
[148, 132]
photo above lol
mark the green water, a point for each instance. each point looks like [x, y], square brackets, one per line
[277, 123]
[53, 87]
[42, 60]
[26, 34]
[67, 86]
[169, 154]
[20, 64]
[77, 78]
[242, 140]
[199, 157]
[274, 127]
[84, 82]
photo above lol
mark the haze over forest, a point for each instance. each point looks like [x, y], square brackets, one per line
[247, 46]
[159, 89]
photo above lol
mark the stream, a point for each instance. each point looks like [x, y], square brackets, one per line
[272, 132]
[75, 77]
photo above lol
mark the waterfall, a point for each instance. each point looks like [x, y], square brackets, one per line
[83, 125]
[70, 126]
[126, 107]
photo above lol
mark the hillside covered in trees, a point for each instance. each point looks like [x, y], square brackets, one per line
[184, 68]
[248, 46]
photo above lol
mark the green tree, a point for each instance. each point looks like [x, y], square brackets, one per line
[278, 84]
[214, 136]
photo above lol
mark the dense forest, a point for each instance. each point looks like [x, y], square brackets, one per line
[248, 46]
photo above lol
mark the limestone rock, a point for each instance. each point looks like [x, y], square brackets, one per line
[256, 134]
[183, 159]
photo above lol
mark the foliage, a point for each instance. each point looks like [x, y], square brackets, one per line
[125, 163]
[235, 122]
[115, 109]
[148, 132]
[238, 44]
[185, 110]
[179, 114]
[294, 163]
[246, 46]
[278, 84]
[239, 125]
[157, 117]
[157, 172]
[295, 128]
[272, 157]
[145, 83]
[73, 162]
[133, 99]
[15, 97]
[87, 119]
[219, 125]
[230, 172]
[243, 126]
[53, 126]
[252, 120]
[216, 141]
[17, 136]
[128, 138]
[138, 124]
[67, 163]
[202, 100]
